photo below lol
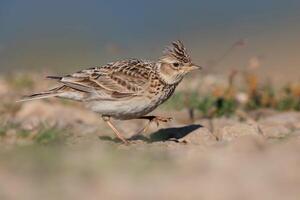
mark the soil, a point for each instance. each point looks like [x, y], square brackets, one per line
[220, 158]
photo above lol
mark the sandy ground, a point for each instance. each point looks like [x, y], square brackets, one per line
[221, 158]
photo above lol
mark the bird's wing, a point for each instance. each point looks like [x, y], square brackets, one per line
[113, 81]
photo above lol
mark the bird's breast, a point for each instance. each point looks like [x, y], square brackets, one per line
[129, 108]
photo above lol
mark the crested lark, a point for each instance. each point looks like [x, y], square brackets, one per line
[127, 89]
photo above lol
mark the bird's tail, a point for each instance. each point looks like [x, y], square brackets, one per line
[42, 95]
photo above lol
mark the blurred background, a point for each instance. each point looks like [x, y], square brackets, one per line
[235, 132]
[62, 35]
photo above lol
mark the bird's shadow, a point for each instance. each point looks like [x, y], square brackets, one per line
[166, 134]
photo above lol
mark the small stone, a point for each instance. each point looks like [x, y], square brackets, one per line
[200, 136]
[274, 130]
[287, 119]
[215, 124]
[237, 130]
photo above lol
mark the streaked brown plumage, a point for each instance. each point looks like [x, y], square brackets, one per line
[127, 89]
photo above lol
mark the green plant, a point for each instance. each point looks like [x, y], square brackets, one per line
[49, 135]
[205, 105]
[225, 107]
[23, 133]
[2, 131]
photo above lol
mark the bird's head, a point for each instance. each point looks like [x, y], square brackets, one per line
[175, 63]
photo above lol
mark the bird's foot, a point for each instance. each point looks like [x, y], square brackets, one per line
[159, 119]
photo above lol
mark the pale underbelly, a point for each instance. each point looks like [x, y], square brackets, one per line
[125, 109]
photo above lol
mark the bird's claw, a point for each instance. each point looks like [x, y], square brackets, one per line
[158, 119]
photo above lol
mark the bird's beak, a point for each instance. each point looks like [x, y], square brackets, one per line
[195, 67]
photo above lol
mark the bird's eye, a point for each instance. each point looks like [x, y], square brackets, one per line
[176, 64]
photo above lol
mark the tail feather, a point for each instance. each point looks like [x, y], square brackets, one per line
[42, 95]
[36, 96]
[54, 77]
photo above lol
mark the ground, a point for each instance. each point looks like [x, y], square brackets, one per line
[56, 149]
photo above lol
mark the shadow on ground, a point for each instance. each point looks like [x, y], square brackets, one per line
[166, 134]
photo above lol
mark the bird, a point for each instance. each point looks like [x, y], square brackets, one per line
[125, 89]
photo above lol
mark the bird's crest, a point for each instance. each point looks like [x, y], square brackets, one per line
[178, 51]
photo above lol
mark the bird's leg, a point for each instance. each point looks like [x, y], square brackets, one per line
[118, 134]
[156, 119]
